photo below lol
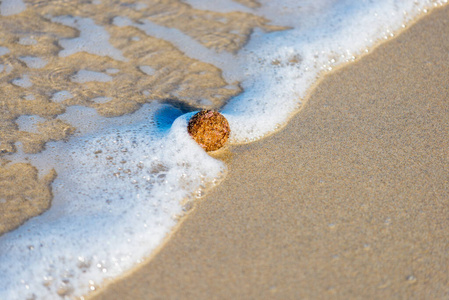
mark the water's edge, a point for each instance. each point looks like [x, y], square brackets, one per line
[226, 153]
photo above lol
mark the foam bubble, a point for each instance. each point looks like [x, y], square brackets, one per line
[8, 68]
[112, 71]
[3, 51]
[223, 6]
[101, 99]
[122, 21]
[61, 96]
[24, 81]
[140, 6]
[92, 39]
[28, 123]
[27, 41]
[83, 76]
[29, 97]
[11, 7]
[33, 62]
[147, 70]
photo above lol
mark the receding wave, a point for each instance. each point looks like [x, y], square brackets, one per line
[96, 165]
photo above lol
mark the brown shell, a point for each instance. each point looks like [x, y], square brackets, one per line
[209, 129]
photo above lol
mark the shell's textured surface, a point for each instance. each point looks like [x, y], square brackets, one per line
[209, 129]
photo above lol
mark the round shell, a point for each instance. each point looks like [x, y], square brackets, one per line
[209, 129]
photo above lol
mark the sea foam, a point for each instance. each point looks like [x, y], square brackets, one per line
[92, 39]
[87, 76]
[116, 195]
[11, 7]
[281, 66]
[3, 51]
[24, 81]
[33, 62]
[122, 182]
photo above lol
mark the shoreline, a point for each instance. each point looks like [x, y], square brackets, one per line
[197, 261]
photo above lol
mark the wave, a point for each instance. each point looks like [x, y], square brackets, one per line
[131, 170]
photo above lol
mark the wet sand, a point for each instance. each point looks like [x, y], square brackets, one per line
[154, 70]
[349, 201]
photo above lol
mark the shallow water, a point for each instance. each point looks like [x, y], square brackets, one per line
[100, 92]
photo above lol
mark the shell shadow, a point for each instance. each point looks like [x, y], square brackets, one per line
[174, 108]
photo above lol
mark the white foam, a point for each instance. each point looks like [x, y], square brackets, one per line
[61, 96]
[147, 70]
[140, 6]
[28, 123]
[24, 82]
[29, 97]
[3, 51]
[92, 39]
[11, 7]
[33, 62]
[222, 6]
[122, 21]
[327, 33]
[27, 41]
[112, 71]
[92, 232]
[101, 99]
[8, 68]
[83, 76]
[77, 116]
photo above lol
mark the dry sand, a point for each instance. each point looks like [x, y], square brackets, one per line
[350, 200]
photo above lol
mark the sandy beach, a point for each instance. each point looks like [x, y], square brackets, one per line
[349, 201]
